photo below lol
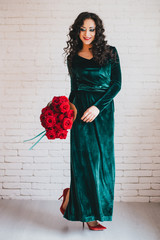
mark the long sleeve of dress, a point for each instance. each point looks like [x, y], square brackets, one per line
[73, 86]
[115, 86]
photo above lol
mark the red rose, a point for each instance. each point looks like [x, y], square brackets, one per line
[67, 123]
[48, 112]
[58, 129]
[43, 124]
[44, 109]
[50, 121]
[56, 115]
[64, 107]
[51, 107]
[42, 119]
[55, 100]
[63, 99]
[58, 120]
[50, 134]
[60, 117]
[58, 126]
[63, 134]
[56, 108]
[70, 113]
[59, 104]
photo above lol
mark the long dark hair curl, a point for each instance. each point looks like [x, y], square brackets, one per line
[101, 51]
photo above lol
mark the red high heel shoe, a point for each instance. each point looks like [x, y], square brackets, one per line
[98, 227]
[64, 197]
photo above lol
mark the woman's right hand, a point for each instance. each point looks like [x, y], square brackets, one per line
[72, 106]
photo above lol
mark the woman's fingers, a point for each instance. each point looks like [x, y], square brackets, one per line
[90, 114]
[88, 117]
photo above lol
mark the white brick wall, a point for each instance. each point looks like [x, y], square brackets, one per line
[32, 71]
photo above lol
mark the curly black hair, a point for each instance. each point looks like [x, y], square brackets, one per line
[101, 51]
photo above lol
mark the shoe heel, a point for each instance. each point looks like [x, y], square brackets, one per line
[64, 197]
[60, 197]
[83, 225]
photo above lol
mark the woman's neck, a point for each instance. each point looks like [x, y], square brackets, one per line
[86, 47]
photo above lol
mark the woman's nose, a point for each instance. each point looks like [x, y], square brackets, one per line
[87, 33]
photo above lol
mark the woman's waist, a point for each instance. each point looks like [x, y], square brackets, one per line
[91, 89]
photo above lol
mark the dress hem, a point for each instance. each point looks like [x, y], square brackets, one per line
[89, 219]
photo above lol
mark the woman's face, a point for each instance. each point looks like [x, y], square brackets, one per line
[87, 31]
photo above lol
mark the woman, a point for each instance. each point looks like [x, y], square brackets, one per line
[95, 73]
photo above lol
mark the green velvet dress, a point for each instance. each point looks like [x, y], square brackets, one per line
[92, 159]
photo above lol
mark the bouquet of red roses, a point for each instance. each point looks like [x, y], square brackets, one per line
[56, 118]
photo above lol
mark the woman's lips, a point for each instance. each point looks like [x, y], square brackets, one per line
[87, 38]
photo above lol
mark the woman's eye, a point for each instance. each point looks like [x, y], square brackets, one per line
[82, 29]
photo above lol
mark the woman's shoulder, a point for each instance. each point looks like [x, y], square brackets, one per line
[115, 60]
[112, 48]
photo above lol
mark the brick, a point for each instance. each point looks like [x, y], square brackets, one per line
[31, 65]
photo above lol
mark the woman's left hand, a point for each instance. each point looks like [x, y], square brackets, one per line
[90, 114]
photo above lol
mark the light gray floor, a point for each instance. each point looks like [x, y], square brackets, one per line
[37, 220]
